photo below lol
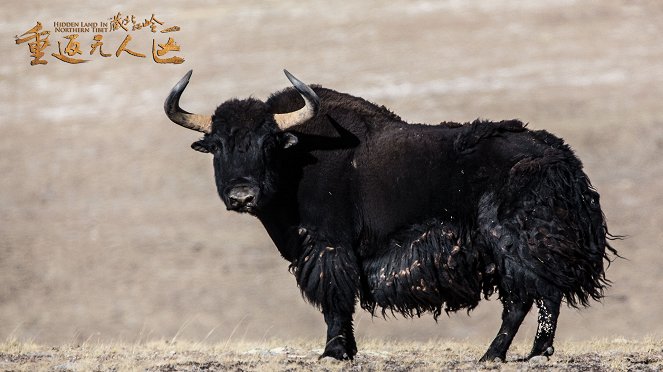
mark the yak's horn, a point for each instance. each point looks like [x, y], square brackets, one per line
[201, 123]
[310, 109]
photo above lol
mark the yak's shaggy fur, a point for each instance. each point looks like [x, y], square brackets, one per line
[409, 218]
[424, 268]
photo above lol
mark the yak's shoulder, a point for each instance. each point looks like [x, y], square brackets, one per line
[332, 102]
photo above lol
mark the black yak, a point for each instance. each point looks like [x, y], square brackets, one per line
[408, 218]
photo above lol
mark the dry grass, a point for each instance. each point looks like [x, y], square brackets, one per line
[111, 227]
[275, 355]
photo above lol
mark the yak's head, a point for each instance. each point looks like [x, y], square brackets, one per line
[247, 140]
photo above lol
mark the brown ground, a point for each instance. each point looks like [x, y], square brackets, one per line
[169, 356]
[110, 227]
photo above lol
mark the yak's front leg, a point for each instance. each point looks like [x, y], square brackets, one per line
[341, 342]
[328, 276]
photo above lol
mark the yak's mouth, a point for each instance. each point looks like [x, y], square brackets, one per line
[250, 209]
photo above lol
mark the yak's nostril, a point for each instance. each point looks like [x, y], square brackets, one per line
[243, 198]
[241, 195]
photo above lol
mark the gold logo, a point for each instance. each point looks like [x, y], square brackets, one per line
[71, 49]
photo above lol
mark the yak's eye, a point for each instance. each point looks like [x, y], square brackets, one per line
[268, 146]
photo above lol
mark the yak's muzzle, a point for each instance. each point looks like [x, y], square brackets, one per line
[242, 197]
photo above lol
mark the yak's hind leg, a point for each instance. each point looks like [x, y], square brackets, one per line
[545, 333]
[513, 315]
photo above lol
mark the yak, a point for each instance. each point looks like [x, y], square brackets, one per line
[408, 218]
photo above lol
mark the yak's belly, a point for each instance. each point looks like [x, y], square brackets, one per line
[428, 267]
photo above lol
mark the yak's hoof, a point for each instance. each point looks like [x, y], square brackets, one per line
[339, 354]
[338, 349]
[546, 353]
[491, 358]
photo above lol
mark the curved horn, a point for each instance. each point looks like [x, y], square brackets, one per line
[201, 123]
[310, 109]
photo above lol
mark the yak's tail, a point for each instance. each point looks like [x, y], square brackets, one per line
[596, 239]
[584, 245]
[557, 220]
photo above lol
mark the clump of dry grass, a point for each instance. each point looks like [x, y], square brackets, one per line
[302, 355]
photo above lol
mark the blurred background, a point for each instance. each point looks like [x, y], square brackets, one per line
[110, 226]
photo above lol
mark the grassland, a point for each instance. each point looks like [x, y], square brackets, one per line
[277, 355]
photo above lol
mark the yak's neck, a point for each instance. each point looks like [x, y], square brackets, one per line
[281, 221]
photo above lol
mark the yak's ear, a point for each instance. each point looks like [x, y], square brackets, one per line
[200, 146]
[288, 140]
